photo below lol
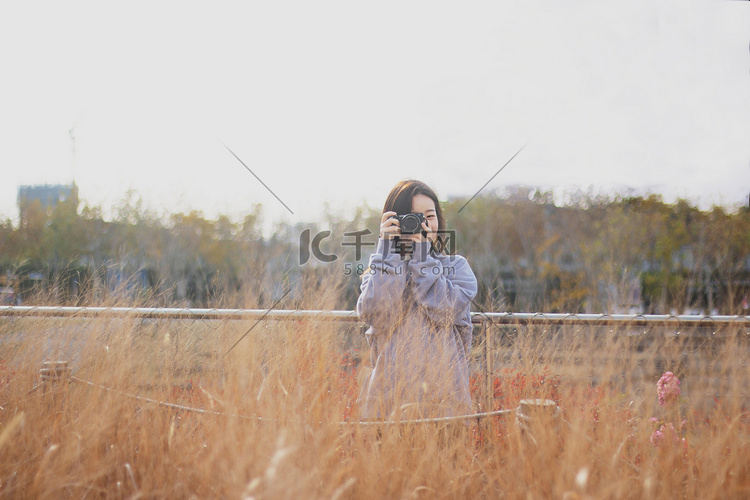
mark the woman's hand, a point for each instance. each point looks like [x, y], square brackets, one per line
[389, 226]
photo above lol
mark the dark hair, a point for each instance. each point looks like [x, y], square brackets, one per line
[400, 201]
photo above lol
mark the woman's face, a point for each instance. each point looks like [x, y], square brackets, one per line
[425, 205]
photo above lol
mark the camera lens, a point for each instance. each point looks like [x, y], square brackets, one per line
[410, 224]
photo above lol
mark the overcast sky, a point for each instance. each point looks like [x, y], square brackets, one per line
[334, 102]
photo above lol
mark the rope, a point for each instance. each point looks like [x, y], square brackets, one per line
[162, 403]
[262, 419]
[429, 420]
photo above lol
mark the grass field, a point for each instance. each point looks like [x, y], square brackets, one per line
[612, 438]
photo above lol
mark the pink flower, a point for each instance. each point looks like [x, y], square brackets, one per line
[668, 389]
[657, 437]
[664, 430]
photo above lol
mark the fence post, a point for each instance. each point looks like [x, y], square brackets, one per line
[540, 417]
[53, 372]
[488, 368]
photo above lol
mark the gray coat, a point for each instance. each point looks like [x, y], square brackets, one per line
[420, 333]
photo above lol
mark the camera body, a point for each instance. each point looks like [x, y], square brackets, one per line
[410, 223]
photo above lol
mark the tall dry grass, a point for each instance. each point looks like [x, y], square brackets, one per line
[72, 440]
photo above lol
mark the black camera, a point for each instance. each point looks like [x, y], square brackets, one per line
[411, 223]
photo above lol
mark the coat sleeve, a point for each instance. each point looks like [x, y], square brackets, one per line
[442, 288]
[380, 303]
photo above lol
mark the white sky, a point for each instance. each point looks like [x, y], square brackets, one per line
[334, 102]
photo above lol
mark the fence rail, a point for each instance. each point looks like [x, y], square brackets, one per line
[502, 318]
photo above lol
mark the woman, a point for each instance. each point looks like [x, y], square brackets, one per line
[416, 301]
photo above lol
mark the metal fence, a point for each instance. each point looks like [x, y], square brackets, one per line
[499, 318]
[704, 325]
[698, 325]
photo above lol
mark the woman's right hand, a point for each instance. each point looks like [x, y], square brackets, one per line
[389, 226]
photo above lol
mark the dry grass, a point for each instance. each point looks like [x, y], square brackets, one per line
[69, 440]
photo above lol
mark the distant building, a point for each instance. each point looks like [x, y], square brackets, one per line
[48, 196]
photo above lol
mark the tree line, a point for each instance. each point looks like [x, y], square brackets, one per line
[589, 254]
